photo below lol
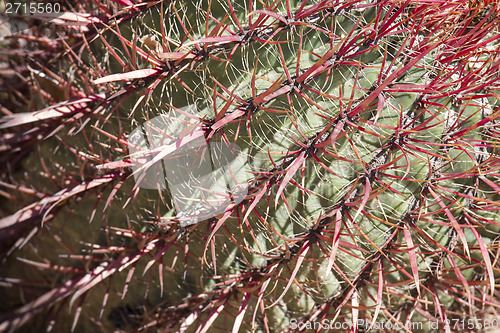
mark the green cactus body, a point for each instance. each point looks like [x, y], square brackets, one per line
[356, 149]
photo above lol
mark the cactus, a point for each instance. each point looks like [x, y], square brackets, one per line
[254, 167]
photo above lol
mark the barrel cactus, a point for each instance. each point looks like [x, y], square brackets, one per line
[254, 167]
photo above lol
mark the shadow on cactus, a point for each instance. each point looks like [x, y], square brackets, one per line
[254, 167]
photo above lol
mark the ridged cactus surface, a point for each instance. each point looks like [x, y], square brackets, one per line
[255, 166]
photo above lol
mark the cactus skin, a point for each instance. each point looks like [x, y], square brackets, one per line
[371, 130]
